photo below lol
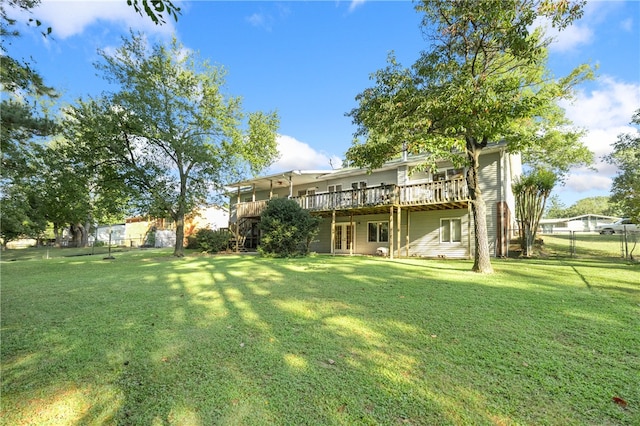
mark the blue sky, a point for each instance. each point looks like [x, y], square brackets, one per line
[308, 61]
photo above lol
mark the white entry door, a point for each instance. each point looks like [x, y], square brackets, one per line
[343, 239]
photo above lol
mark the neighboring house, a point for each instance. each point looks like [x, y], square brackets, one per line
[212, 217]
[392, 210]
[141, 231]
[582, 223]
[114, 234]
[145, 231]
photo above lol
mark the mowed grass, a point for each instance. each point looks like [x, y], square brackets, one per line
[591, 245]
[148, 339]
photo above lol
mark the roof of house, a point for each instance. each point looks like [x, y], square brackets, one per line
[308, 177]
[582, 216]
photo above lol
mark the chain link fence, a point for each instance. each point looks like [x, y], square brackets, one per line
[585, 244]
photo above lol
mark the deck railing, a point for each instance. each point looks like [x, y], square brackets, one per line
[248, 209]
[349, 199]
[445, 191]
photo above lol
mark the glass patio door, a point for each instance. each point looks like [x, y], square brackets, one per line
[343, 238]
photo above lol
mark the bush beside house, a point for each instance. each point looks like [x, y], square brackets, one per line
[287, 229]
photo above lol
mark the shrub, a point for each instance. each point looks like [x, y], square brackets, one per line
[287, 229]
[209, 241]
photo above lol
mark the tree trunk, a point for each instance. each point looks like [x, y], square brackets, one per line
[178, 250]
[85, 234]
[57, 235]
[482, 260]
[77, 235]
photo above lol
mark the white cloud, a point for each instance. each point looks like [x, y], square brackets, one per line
[355, 4]
[296, 155]
[69, 18]
[268, 19]
[259, 20]
[611, 104]
[569, 38]
[605, 113]
[627, 24]
[585, 182]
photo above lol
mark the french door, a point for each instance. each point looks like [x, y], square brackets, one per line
[343, 238]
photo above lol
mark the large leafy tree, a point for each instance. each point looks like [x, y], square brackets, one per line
[22, 118]
[626, 185]
[483, 80]
[23, 122]
[20, 202]
[30, 194]
[70, 195]
[169, 132]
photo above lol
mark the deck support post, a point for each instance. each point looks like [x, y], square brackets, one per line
[408, 228]
[399, 214]
[391, 233]
[350, 234]
[237, 230]
[469, 230]
[333, 232]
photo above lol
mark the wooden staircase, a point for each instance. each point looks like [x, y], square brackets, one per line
[243, 227]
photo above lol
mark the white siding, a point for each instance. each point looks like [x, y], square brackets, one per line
[374, 179]
[322, 242]
[490, 185]
[424, 234]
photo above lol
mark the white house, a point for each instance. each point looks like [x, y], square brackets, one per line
[582, 223]
[406, 212]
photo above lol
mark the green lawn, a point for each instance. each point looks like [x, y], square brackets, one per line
[148, 339]
[591, 245]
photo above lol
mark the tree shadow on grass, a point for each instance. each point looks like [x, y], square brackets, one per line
[239, 340]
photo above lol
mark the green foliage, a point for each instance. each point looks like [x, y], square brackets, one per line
[601, 205]
[170, 133]
[626, 185]
[209, 241]
[483, 80]
[19, 216]
[593, 205]
[531, 192]
[155, 9]
[287, 229]
[555, 208]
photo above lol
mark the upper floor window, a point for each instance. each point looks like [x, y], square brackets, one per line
[448, 174]
[378, 232]
[303, 192]
[334, 188]
[422, 175]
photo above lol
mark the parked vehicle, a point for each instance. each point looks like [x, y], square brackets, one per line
[618, 227]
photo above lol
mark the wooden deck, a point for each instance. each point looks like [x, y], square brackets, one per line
[425, 196]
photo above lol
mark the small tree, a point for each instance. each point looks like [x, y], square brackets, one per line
[531, 192]
[287, 229]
